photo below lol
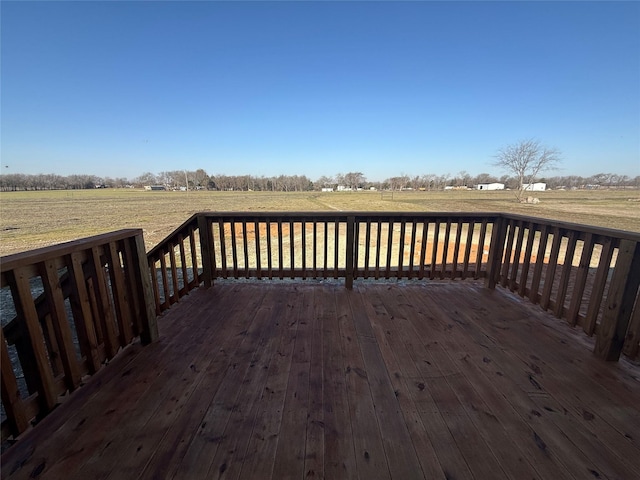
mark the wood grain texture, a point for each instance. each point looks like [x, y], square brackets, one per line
[311, 380]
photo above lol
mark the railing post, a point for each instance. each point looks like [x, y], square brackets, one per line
[349, 257]
[498, 237]
[206, 250]
[148, 322]
[620, 299]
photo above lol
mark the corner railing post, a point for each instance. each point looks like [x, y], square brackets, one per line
[206, 249]
[148, 322]
[349, 257]
[498, 237]
[622, 295]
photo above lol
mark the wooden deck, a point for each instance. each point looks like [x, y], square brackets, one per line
[311, 380]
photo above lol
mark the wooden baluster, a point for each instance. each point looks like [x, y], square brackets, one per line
[526, 265]
[412, 251]
[456, 250]
[566, 274]
[83, 313]
[537, 272]
[120, 291]
[599, 283]
[105, 314]
[445, 251]
[256, 227]
[401, 242]
[621, 297]
[13, 404]
[467, 249]
[18, 280]
[480, 248]
[423, 247]
[580, 280]
[517, 252]
[551, 269]
[434, 253]
[58, 314]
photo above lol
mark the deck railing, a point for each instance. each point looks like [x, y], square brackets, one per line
[320, 246]
[586, 275]
[74, 305]
[66, 310]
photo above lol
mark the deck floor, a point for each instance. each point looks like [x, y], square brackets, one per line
[299, 380]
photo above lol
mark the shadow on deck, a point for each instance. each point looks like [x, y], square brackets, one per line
[306, 379]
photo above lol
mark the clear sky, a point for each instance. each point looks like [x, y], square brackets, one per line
[316, 88]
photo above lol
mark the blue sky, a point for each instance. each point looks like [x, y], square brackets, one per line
[316, 88]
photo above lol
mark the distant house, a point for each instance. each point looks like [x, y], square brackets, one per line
[490, 186]
[327, 189]
[154, 187]
[534, 187]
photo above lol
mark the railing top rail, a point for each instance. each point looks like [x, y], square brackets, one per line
[10, 262]
[603, 231]
[346, 213]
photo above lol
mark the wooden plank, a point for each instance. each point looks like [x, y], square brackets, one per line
[232, 447]
[264, 437]
[524, 276]
[401, 242]
[423, 248]
[147, 316]
[269, 252]
[412, 250]
[566, 274]
[11, 401]
[130, 278]
[467, 249]
[336, 248]
[390, 333]
[632, 339]
[540, 262]
[280, 251]
[508, 252]
[517, 251]
[339, 453]
[82, 313]
[434, 250]
[120, 296]
[551, 269]
[367, 438]
[389, 248]
[26, 310]
[207, 374]
[292, 254]
[245, 248]
[496, 251]
[234, 248]
[105, 315]
[350, 250]
[580, 280]
[599, 283]
[445, 249]
[256, 229]
[303, 229]
[53, 292]
[111, 446]
[209, 257]
[367, 250]
[183, 263]
[174, 273]
[378, 248]
[480, 251]
[223, 249]
[620, 300]
[289, 459]
[456, 249]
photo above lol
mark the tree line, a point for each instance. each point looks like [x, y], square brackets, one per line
[199, 179]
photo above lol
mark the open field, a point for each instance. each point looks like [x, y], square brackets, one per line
[34, 219]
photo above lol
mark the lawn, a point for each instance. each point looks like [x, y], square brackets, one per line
[34, 219]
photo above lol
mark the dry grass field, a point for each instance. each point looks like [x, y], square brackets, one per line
[34, 219]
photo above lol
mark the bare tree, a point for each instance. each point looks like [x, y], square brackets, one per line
[525, 160]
